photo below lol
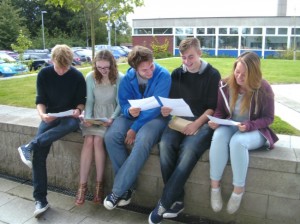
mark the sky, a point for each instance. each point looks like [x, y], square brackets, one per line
[210, 8]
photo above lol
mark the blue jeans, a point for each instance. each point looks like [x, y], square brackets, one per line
[179, 154]
[47, 133]
[128, 165]
[229, 141]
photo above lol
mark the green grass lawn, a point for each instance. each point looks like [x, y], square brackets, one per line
[21, 92]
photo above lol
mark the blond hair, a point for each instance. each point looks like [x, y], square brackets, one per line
[253, 77]
[62, 55]
[188, 43]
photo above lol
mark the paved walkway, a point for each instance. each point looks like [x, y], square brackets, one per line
[17, 206]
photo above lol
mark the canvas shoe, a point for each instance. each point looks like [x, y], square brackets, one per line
[156, 216]
[40, 208]
[25, 154]
[126, 198]
[234, 202]
[175, 209]
[216, 199]
[111, 201]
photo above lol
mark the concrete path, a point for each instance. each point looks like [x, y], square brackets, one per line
[17, 206]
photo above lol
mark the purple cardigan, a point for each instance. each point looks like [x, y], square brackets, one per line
[261, 113]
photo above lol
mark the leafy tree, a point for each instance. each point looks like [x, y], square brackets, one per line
[117, 8]
[23, 43]
[10, 24]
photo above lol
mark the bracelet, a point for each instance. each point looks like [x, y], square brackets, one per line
[79, 110]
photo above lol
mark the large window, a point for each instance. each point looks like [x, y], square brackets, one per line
[276, 43]
[228, 42]
[251, 42]
[207, 41]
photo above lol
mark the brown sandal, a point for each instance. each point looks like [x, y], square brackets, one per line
[80, 196]
[99, 193]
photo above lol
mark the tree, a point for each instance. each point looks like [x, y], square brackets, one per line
[117, 8]
[23, 43]
[10, 24]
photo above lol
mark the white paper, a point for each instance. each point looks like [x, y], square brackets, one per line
[62, 114]
[222, 121]
[145, 103]
[179, 107]
[103, 119]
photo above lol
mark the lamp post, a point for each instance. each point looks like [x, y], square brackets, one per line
[117, 24]
[42, 12]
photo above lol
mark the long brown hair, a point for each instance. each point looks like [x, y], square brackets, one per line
[253, 77]
[105, 55]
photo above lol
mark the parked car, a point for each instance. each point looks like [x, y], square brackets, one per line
[37, 61]
[10, 53]
[126, 49]
[76, 60]
[85, 55]
[119, 50]
[9, 66]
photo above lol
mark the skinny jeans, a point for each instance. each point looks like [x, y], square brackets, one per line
[229, 142]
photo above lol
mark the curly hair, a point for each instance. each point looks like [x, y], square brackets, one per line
[106, 55]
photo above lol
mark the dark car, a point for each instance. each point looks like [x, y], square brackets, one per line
[37, 61]
[85, 55]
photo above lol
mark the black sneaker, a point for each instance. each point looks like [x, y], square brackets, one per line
[156, 215]
[25, 154]
[40, 208]
[175, 209]
[126, 198]
[111, 201]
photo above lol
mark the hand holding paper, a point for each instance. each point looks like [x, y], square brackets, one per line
[222, 121]
[179, 107]
[145, 103]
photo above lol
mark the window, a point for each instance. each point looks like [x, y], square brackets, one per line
[246, 31]
[222, 30]
[282, 31]
[189, 30]
[179, 31]
[211, 31]
[276, 43]
[270, 31]
[143, 31]
[251, 42]
[207, 41]
[228, 42]
[162, 31]
[257, 30]
[297, 31]
[234, 30]
[200, 30]
[178, 39]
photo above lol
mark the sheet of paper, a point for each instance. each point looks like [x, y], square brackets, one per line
[145, 103]
[179, 107]
[102, 119]
[62, 114]
[222, 121]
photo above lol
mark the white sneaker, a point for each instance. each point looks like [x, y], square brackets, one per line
[216, 199]
[234, 203]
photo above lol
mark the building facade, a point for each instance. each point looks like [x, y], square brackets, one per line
[267, 36]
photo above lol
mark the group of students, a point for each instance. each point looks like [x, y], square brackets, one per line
[244, 96]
